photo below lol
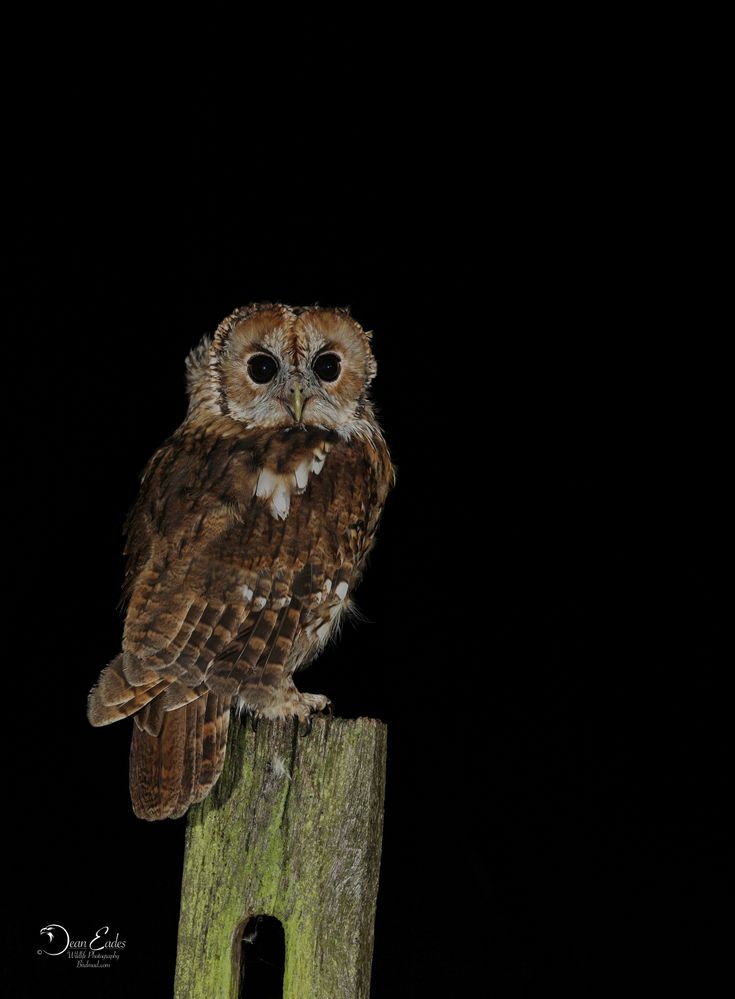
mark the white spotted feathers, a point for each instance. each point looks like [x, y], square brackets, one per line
[277, 488]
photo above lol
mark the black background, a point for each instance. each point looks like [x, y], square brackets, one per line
[544, 604]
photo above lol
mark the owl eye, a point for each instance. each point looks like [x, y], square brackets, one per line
[262, 368]
[327, 367]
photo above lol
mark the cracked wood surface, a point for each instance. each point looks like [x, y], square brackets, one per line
[292, 830]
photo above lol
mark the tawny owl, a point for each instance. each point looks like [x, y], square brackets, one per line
[246, 541]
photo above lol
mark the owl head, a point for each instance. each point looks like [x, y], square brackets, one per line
[277, 367]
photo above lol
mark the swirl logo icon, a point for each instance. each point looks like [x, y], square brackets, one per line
[58, 940]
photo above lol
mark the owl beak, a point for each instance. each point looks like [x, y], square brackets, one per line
[297, 403]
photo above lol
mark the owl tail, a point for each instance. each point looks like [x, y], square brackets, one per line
[179, 736]
[177, 765]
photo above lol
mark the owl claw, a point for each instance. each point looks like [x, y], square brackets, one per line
[257, 702]
[327, 710]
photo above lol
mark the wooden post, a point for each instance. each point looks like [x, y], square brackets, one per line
[293, 830]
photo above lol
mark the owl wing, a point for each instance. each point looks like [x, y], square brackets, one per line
[225, 592]
[317, 553]
[219, 585]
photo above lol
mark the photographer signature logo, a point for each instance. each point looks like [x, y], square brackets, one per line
[101, 951]
[56, 934]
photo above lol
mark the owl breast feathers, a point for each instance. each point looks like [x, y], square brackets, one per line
[246, 541]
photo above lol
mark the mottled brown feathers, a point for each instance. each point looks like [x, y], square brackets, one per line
[248, 536]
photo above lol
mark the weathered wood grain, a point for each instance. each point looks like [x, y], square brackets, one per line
[292, 830]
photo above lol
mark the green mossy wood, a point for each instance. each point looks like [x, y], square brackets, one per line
[293, 830]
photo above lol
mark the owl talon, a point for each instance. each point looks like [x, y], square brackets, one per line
[307, 726]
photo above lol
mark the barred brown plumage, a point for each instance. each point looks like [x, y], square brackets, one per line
[246, 541]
